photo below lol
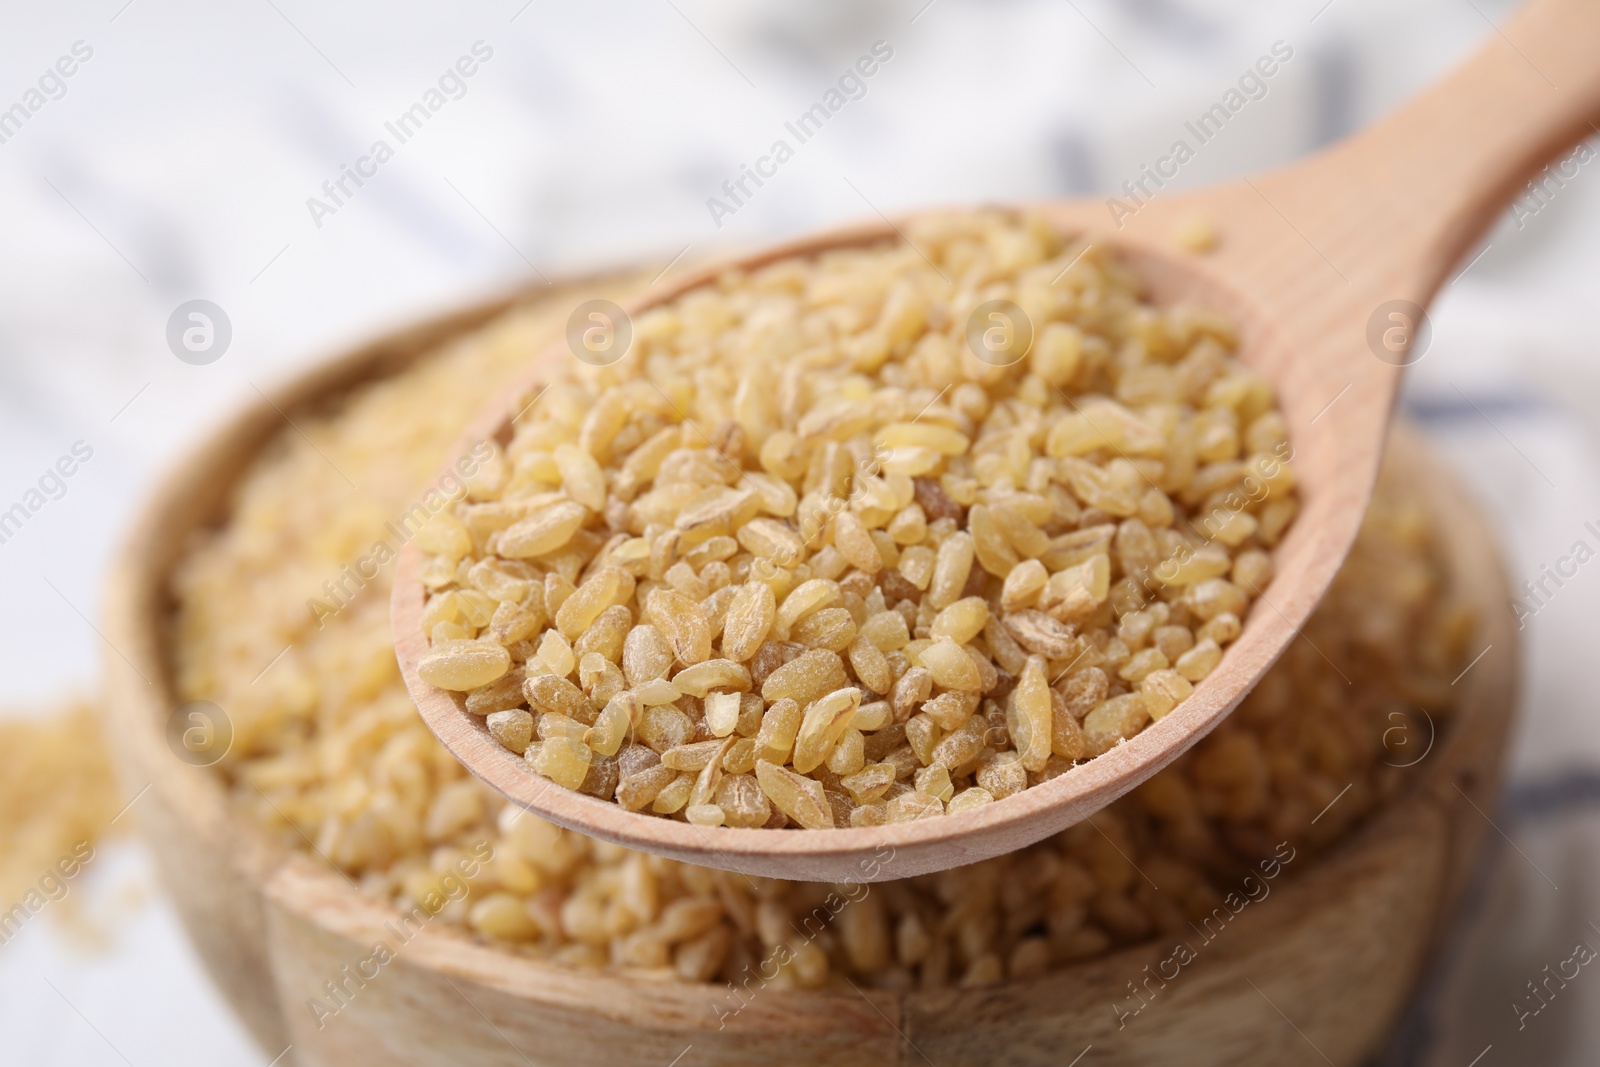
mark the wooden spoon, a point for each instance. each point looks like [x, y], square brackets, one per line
[1325, 265]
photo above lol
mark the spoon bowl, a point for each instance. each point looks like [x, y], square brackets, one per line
[1326, 268]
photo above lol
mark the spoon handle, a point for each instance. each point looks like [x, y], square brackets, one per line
[1397, 206]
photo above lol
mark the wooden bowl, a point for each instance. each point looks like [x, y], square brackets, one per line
[1328, 959]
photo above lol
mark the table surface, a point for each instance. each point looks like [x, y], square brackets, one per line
[181, 158]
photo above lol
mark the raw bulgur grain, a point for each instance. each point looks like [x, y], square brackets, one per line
[329, 741]
[806, 464]
[57, 794]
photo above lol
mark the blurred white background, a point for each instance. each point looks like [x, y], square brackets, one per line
[178, 162]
